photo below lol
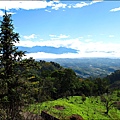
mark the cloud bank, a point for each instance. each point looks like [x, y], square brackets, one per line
[115, 9]
[83, 48]
[31, 5]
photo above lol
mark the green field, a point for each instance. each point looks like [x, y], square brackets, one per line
[91, 108]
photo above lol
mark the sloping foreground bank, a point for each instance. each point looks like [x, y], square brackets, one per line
[90, 108]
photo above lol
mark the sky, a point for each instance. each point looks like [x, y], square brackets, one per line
[92, 28]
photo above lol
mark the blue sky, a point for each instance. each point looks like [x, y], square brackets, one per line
[90, 27]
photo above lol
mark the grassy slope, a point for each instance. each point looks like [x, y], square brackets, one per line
[92, 108]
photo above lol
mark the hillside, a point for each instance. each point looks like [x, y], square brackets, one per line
[91, 108]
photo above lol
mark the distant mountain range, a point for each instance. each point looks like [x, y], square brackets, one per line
[90, 67]
[47, 49]
[84, 67]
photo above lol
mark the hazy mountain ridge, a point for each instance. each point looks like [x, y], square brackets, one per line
[47, 49]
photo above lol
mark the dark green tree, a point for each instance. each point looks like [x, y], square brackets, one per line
[68, 83]
[11, 82]
[65, 82]
[108, 102]
[100, 86]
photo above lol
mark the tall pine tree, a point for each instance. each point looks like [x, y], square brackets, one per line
[11, 84]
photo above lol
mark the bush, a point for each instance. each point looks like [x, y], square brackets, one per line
[83, 97]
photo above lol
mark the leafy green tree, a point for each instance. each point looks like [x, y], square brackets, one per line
[87, 87]
[58, 76]
[108, 101]
[68, 83]
[114, 76]
[100, 86]
[11, 81]
[46, 89]
[65, 82]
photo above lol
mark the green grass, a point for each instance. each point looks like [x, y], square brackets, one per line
[92, 108]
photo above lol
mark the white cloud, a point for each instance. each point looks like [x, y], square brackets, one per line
[47, 10]
[69, 6]
[30, 36]
[52, 35]
[115, 9]
[89, 35]
[88, 40]
[54, 43]
[111, 36]
[96, 1]
[83, 4]
[50, 55]
[80, 37]
[29, 5]
[24, 4]
[79, 5]
[59, 5]
[42, 55]
[61, 36]
[85, 48]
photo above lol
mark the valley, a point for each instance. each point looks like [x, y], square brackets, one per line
[90, 67]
